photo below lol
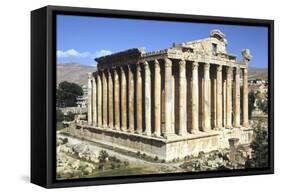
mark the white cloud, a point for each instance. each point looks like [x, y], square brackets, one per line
[72, 53]
[102, 52]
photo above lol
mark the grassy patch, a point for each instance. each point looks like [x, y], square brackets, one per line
[59, 126]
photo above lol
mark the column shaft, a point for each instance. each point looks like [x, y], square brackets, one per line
[131, 99]
[219, 97]
[90, 117]
[182, 98]
[194, 99]
[229, 97]
[110, 100]
[139, 99]
[206, 99]
[123, 100]
[116, 101]
[104, 100]
[237, 98]
[157, 99]
[99, 96]
[168, 98]
[94, 101]
[147, 94]
[245, 97]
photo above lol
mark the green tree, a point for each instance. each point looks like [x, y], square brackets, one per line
[102, 156]
[260, 147]
[60, 116]
[67, 94]
[69, 117]
[263, 105]
[251, 102]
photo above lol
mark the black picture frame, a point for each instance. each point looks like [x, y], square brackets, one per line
[43, 85]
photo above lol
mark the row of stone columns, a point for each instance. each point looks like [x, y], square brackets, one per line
[109, 94]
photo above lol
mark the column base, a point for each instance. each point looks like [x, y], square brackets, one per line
[123, 129]
[183, 133]
[147, 133]
[194, 131]
[138, 131]
[130, 130]
[206, 129]
[219, 127]
[156, 135]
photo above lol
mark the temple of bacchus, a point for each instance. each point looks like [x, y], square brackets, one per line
[170, 103]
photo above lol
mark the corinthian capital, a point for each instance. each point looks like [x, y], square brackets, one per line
[168, 62]
[146, 65]
[195, 65]
[219, 68]
[90, 75]
[182, 63]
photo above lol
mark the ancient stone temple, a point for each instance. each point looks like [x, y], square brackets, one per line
[170, 103]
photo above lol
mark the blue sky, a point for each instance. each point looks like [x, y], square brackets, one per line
[81, 39]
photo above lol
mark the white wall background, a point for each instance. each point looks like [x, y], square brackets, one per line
[15, 94]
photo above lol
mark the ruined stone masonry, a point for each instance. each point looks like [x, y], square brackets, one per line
[170, 103]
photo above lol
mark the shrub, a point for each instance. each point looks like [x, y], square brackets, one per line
[101, 166]
[156, 158]
[260, 147]
[69, 117]
[113, 166]
[126, 163]
[60, 116]
[102, 156]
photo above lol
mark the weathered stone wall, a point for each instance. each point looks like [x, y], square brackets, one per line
[168, 150]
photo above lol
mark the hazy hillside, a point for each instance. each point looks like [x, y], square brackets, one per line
[73, 72]
[77, 73]
[258, 73]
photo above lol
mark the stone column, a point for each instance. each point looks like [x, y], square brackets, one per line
[206, 99]
[110, 100]
[90, 116]
[131, 99]
[229, 97]
[237, 98]
[245, 98]
[182, 98]
[194, 99]
[99, 96]
[94, 101]
[157, 99]
[233, 144]
[123, 100]
[219, 97]
[224, 100]
[104, 100]
[147, 94]
[168, 104]
[139, 99]
[116, 101]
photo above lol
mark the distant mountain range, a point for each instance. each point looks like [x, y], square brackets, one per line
[78, 73]
[73, 72]
[258, 73]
